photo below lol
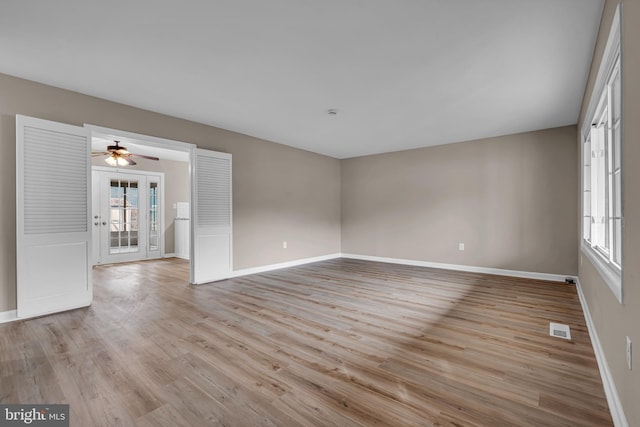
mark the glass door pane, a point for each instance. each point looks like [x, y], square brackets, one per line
[123, 216]
[154, 227]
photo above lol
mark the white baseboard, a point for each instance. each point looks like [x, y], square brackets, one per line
[469, 268]
[8, 316]
[615, 405]
[271, 267]
[172, 255]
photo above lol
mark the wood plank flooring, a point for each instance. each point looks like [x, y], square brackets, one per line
[335, 343]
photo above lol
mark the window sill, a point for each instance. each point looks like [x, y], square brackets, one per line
[609, 274]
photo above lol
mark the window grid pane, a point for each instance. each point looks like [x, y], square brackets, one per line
[586, 195]
[602, 171]
[153, 217]
[615, 166]
[602, 207]
[598, 187]
[124, 216]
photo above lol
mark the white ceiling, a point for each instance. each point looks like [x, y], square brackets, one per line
[401, 73]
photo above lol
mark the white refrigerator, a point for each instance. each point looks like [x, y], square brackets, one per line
[182, 230]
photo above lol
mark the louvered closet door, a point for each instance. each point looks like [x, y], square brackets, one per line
[212, 217]
[53, 177]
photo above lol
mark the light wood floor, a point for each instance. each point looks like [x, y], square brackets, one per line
[336, 343]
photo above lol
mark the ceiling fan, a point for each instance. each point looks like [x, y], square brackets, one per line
[119, 156]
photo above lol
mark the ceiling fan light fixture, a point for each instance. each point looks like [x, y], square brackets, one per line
[111, 160]
[117, 160]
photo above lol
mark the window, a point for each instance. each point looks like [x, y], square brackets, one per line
[602, 219]
[123, 218]
[154, 221]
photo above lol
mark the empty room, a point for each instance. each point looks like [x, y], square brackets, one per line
[337, 213]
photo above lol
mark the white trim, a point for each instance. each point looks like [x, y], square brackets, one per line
[469, 268]
[611, 277]
[613, 49]
[615, 405]
[137, 256]
[294, 263]
[171, 255]
[608, 59]
[125, 170]
[8, 316]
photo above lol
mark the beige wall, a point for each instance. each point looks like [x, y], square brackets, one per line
[508, 199]
[176, 189]
[614, 321]
[279, 193]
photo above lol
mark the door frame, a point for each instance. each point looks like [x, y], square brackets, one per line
[90, 132]
[153, 141]
[98, 258]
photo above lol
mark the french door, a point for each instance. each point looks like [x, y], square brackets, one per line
[127, 223]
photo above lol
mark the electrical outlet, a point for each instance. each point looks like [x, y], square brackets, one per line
[284, 245]
[461, 246]
[629, 353]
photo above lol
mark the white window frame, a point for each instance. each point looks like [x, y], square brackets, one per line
[599, 248]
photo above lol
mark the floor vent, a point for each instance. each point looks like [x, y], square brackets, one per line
[559, 330]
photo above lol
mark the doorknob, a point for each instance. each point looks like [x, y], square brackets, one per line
[96, 223]
[104, 222]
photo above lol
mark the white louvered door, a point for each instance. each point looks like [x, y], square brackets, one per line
[211, 212]
[53, 177]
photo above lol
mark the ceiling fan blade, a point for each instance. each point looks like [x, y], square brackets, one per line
[129, 161]
[144, 157]
[117, 151]
[101, 153]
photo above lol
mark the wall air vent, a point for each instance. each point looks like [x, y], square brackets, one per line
[559, 330]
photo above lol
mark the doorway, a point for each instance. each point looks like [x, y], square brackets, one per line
[54, 241]
[128, 212]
